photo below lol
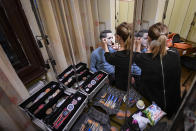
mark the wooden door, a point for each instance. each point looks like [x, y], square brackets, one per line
[18, 42]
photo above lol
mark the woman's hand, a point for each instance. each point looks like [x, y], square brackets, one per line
[115, 46]
[105, 44]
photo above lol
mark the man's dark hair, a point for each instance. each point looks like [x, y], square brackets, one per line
[103, 34]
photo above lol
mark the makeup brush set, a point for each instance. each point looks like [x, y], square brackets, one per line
[109, 99]
[93, 120]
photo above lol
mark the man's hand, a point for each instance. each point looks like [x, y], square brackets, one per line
[115, 46]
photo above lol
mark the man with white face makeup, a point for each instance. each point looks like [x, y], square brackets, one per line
[98, 61]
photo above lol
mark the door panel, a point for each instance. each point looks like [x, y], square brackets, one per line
[192, 34]
[19, 40]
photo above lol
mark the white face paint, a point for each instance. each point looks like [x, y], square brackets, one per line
[145, 40]
[110, 39]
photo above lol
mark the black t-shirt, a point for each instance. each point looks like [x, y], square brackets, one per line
[151, 85]
[120, 60]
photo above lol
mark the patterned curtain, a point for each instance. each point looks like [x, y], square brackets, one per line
[70, 25]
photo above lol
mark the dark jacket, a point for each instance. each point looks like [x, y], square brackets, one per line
[120, 60]
[151, 85]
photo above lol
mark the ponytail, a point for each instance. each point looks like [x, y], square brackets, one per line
[163, 40]
[125, 31]
[128, 43]
[157, 34]
[159, 46]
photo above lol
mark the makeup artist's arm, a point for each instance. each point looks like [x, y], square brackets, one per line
[105, 45]
[138, 45]
[110, 57]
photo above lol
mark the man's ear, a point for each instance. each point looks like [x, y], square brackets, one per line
[102, 39]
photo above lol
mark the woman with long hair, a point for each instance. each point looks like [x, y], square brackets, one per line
[120, 59]
[161, 70]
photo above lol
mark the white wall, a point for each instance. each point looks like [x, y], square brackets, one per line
[112, 16]
[106, 9]
[104, 14]
[187, 23]
[169, 12]
[179, 16]
[126, 9]
[149, 11]
[160, 10]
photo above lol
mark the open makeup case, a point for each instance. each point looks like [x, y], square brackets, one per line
[58, 104]
[134, 96]
[92, 120]
[88, 82]
[109, 99]
[68, 76]
[56, 109]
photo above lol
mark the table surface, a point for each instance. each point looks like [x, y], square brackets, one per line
[117, 121]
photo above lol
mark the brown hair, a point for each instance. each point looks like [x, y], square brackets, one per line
[125, 31]
[158, 34]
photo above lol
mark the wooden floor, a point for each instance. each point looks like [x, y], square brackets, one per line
[187, 76]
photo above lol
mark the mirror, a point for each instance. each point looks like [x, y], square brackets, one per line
[183, 23]
[169, 12]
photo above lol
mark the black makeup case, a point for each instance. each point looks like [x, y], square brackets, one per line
[92, 85]
[109, 99]
[68, 77]
[57, 105]
[92, 120]
[47, 115]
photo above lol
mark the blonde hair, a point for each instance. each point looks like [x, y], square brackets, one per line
[158, 34]
[125, 31]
